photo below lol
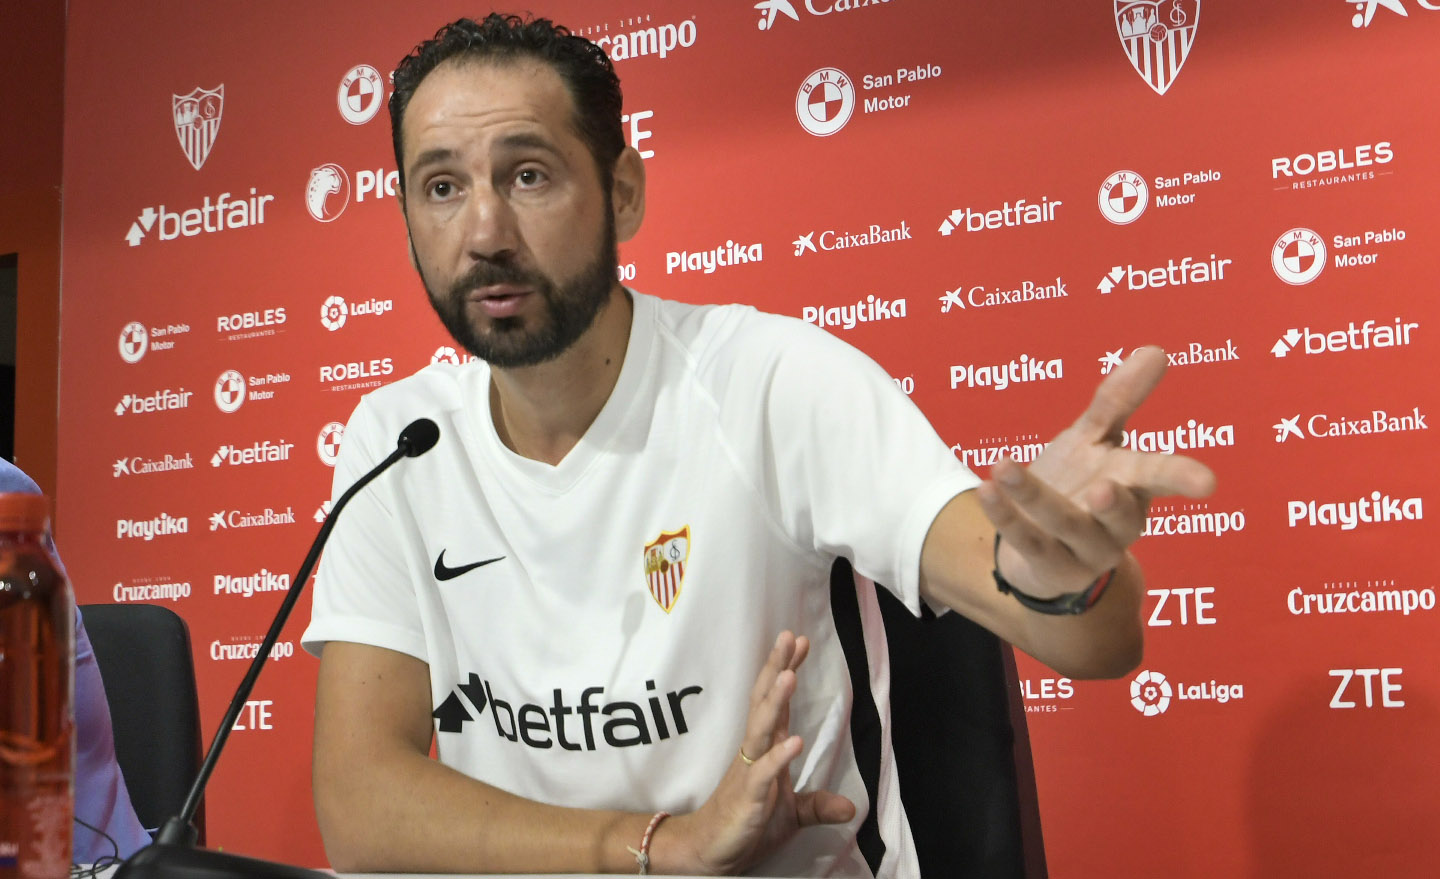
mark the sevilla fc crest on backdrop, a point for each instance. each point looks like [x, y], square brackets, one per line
[1157, 36]
[665, 559]
[197, 121]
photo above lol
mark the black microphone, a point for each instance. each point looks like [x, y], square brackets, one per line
[173, 855]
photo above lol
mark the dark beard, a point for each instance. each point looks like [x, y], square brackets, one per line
[570, 308]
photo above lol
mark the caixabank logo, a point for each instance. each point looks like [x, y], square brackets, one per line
[831, 240]
[1153, 694]
[1194, 353]
[144, 465]
[773, 11]
[964, 297]
[1329, 425]
[227, 520]
[1365, 9]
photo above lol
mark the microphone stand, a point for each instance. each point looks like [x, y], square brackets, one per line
[173, 854]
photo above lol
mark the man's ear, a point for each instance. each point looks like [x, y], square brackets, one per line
[627, 194]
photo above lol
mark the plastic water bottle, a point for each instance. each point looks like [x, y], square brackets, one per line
[37, 686]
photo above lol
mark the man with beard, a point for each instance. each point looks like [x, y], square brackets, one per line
[604, 593]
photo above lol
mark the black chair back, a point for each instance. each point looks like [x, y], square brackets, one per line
[143, 651]
[959, 735]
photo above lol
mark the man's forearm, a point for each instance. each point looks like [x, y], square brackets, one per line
[1105, 641]
[408, 813]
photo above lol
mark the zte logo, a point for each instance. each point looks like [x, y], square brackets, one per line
[619, 724]
[1188, 608]
[257, 714]
[1387, 689]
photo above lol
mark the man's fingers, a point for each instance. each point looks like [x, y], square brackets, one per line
[1041, 522]
[1118, 509]
[779, 658]
[802, 650]
[1160, 475]
[1121, 393]
[822, 807]
[769, 766]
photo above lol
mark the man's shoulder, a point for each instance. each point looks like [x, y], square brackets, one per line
[724, 334]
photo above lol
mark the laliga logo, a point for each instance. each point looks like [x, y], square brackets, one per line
[327, 446]
[362, 91]
[1124, 197]
[327, 193]
[333, 313]
[448, 355]
[230, 391]
[825, 101]
[1298, 256]
[1150, 693]
[134, 342]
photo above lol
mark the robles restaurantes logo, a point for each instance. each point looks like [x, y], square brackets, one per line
[1373, 509]
[1151, 693]
[1046, 692]
[1002, 375]
[1322, 425]
[1362, 338]
[251, 324]
[1008, 215]
[197, 121]
[357, 374]
[1342, 165]
[1157, 36]
[361, 94]
[335, 310]
[866, 310]
[327, 445]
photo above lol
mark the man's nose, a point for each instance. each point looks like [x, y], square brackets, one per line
[492, 230]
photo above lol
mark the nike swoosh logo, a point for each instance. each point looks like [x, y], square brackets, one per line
[446, 573]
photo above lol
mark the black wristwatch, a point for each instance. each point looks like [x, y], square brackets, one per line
[1068, 604]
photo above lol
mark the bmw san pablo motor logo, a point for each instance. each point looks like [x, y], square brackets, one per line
[825, 101]
[134, 342]
[362, 91]
[327, 444]
[1124, 197]
[230, 391]
[1150, 693]
[1298, 256]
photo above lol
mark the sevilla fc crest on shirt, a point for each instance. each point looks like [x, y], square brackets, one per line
[197, 121]
[1157, 36]
[665, 560]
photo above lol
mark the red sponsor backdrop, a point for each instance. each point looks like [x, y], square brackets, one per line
[995, 200]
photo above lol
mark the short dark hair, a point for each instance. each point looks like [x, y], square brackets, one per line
[582, 65]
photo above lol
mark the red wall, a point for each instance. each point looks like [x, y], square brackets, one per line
[1269, 755]
[32, 58]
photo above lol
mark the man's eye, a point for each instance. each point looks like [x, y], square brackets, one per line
[529, 177]
[442, 189]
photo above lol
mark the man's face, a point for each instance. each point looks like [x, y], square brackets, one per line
[510, 227]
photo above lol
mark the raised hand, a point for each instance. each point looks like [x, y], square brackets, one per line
[1071, 515]
[755, 807]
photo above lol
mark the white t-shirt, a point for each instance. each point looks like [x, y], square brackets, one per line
[601, 650]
